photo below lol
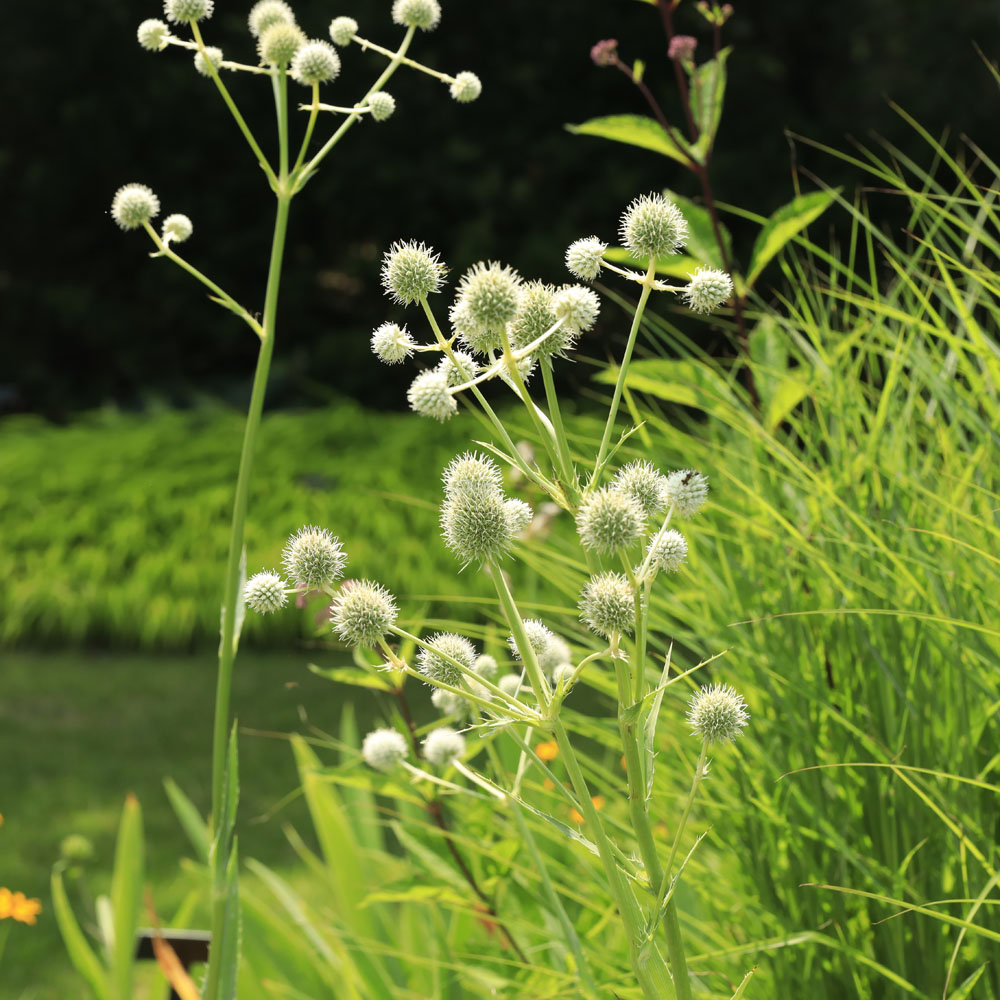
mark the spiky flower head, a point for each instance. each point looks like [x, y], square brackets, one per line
[471, 473]
[183, 11]
[510, 684]
[580, 307]
[562, 674]
[153, 35]
[667, 551]
[653, 226]
[210, 59]
[313, 556]
[449, 703]
[717, 714]
[687, 490]
[462, 369]
[428, 395]
[265, 593]
[584, 258]
[423, 14]
[519, 516]
[264, 13]
[411, 271]
[490, 292]
[708, 289]
[383, 749]
[134, 204]
[556, 651]
[432, 661]
[475, 336]
[535, 315]
[607, 604]
[609, 520]
[176, 228]
[278, 43]
[645, 484]
[315, 62]
[392, 343]
[77, 848]
[475, 526]
[486, 666]
[363, 612]
[443, 746]
[382, 106]
[342, 30]
[466, 87]
[539, 636]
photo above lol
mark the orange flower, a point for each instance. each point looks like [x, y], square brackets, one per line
[598, 801]
[18, 907]
[547, 751]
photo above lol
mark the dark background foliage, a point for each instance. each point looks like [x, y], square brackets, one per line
[87, 319]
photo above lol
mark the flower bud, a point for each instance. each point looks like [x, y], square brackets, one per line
[717, 714]
[682, 48]
[76, 848]
[486, 666]
[475, 526]
[182, 11]
[490, 292]
[201, 64]
[278, 43]
[342, 30]
[652, 226]
[668, 551]
[443, 746]
[383, 749]
[449, 703]
[510, 684]
[687, 490]
[519, 516]
[423, 14]
[264, 13]
[411, 271]
[475, 336]
[556, 651]
[535, 315]
[315, 62]
[607, 604]
[584, 258]
[466, 87]
[314, 557]
[539, 636]
[463, 369]
[391, 343]
[609, 520]
[471, 473]
[363, 612]
[432, 664]
[133, 205]
[579, 306]
[265, 593]
[562, 674]
[605, 53]
[176, 228]
[645, 484]
[428, 395]
[708, 289]
[153, 35]
[382, 106]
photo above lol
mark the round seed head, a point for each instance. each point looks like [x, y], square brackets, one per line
[448, 703]
[539, 636]
[363, 612]
[519, 516]
[314, 557]
[486, 666]
[584, 258]
[265, 593]
[428, 395]
[392, 343]
[466, 87]
[579, 306]
[182, 11]
[153, 35]
[315, 62]
[652, 226]
[556, 651]
[478, 338]
[76, 848]
[383, 749]
[411, 271]
[433, 664]
[342, 30]
[525, 367]
[133, 205]
[443, 746]
[609, 520]
[687, 490]
[201, 64]
[668, 551]
[708, 289]
[278, 43]
[562, 674]
[463, 369]
[717, 714]
[606, 604]
[510, 684]
[490, 292]
[645, 484]
[176, 228]
[382, 105]
[471, 473]
[474, 526]
[535, 315]
[264, 13]
[423, 14]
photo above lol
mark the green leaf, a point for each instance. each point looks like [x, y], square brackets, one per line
[638, 68]
[189, 818]
[353, 676]
[743, 985]
[701, 241]
[785, 223]
[419, 894]
[781, 387]
[126, 897]
[649, 725]
[80, 953]
[636, 130]
[708, 91]
[229, 958]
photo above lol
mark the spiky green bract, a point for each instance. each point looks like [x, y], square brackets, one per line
[383, 749]
[278, 44]
[363, 612]
[708, 289]
[315, 62]
[475, 336]
[411, 271]
[687, 490]
[342, 30]
[176, 228]
[471, 473]
[486, 666]
[428, 395]
[609, 520]
[645, 484]
[382, 106]
[535, 315]
[183, 11]
[134, 204]
[423, 14]
[607, 604]
[475, 526]
[205, 65]
[578, 307]
[490, 292]
[653, 226]
[539, 636]
[466, 87]
[314, 557]
[584, 258]
[519, 515]
[432, 664]
[510, 684]
[265, 593]
[717, 714]
[668, 551]
[449, 703]
[392, 343]
[264, 13]
[443, 746]
[462, 369]
[153, 35]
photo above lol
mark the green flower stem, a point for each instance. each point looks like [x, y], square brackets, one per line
[279, 83]
[562, 442]
[402, 60]
[641, 612]
[313, 111]
[647, 287]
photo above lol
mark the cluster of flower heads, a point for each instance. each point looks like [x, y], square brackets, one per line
[384, 749]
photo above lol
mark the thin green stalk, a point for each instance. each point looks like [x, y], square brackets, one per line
[562, 442]
[313, 112]
[280, 86]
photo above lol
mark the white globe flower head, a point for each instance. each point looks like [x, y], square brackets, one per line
[535, 315]
[185, 11]
[463, 368]
[363, 612]
[465, 88]
[486, 666]
[708, 289]
[382, 106]
[133, 205]
[475, 526]
[422, 14]
[265, 593]
[315, 62]
[539, 636]
[392, 343]
[519, 516]
[490, 292]
[478, 338]
[444, 746]
[667, 551]
[435, 660]
[653, 226]
[411, 271]
[429, 396]
[607, 604]
[556, 651]
[383, 749]
[717, 714]
[264, 13]
[510, 684]
[278, 43]
[205, 62]
[585, 257]
[153, 35]
[343, 30]
[687, 491]
[645, 484]
[609, 520]
[471, 472]
[176, 228]
[314, 557]
[449, 703]
[578, 306]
